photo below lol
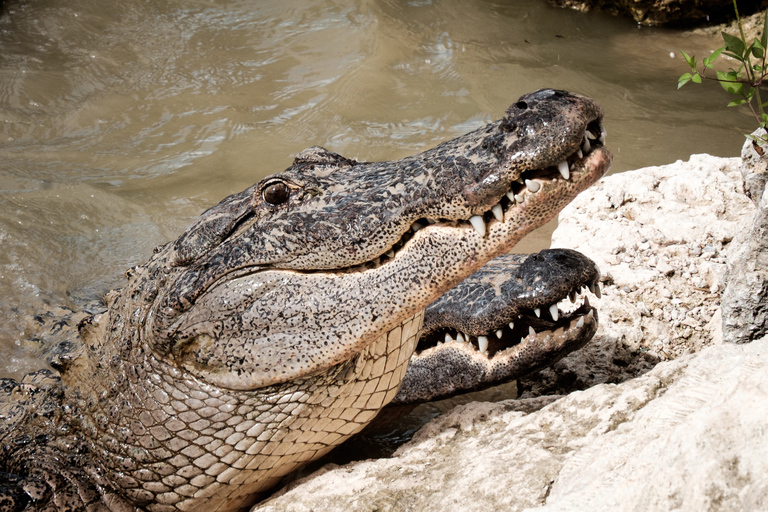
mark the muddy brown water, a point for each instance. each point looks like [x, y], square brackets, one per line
[122, 121]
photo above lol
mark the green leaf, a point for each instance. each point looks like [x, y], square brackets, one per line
[708, 61]
[733, 55]
[757, 49]
[696, 78]
[764, 37]
[729, 82]
[690, 59]
[737, 102]
[734, 44]
[684, 79]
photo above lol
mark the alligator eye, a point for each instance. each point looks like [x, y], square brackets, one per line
[276, 193]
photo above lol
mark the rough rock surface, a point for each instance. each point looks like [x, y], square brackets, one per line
[745, 299]
[660, 12]
[687, 435]
[754, 167]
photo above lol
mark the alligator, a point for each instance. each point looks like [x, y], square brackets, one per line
[516, 315]
[283, 319]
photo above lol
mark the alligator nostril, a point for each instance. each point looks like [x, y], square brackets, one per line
[522, 105]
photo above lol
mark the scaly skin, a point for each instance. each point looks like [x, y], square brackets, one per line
[282, 320]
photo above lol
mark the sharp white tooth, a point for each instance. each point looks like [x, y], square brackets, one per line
[390, 253]
[603, 134]
[564, 171]
[591, 135]
[511, 325]
[520, 181]
[531, 332]
[519, 198]
[460, 338]
[533, 186]
[448, 338]
[537, 312]
[511, 196]
[482, 343]
[586, 146]
[580, 323]
[553, 312]
[478, 223]
[499, 333]
[590, 315]
[598, 293]
[416, 226]
[498, 212]
[579, 153]
[586, 301]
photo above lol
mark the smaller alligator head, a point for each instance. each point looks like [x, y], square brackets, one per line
[516, 315]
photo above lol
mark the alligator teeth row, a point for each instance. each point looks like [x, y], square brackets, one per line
[482, 341]
[479, 222]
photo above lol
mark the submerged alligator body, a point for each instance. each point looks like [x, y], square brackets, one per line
[283, 319]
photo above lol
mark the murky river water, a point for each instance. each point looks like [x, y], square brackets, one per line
[121, 121]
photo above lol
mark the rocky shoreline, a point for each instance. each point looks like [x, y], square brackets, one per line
[669, 417]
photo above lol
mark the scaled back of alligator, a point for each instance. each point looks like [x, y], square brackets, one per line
[283, 319]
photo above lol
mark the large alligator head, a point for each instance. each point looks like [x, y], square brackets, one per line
[283, 319]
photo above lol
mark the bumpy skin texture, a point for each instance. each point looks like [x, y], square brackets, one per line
[281, 321]
[505, 292]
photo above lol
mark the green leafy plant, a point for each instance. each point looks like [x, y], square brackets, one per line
[745, 80]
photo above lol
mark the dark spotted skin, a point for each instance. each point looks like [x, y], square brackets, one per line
[280, 322]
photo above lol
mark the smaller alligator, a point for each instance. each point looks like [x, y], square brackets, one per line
[516, 315]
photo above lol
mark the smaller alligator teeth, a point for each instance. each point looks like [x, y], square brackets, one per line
[591, 314]
[416, 226]
[603, 134]
[519, 198]
[531, 332]
[591, 135]
[499, 333]
[564, 171]
[390, 253]
[586, 146]
[459, 338]
[580, 323]
[579, 153]
[448, 338]
[511, 196]
[478, 223]
[537, 312]
[553, 311]
[511, 325]
[533, 186]
[432, 221]
[595, 289]
[520, 181]
[498, 212]
[482, 343]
